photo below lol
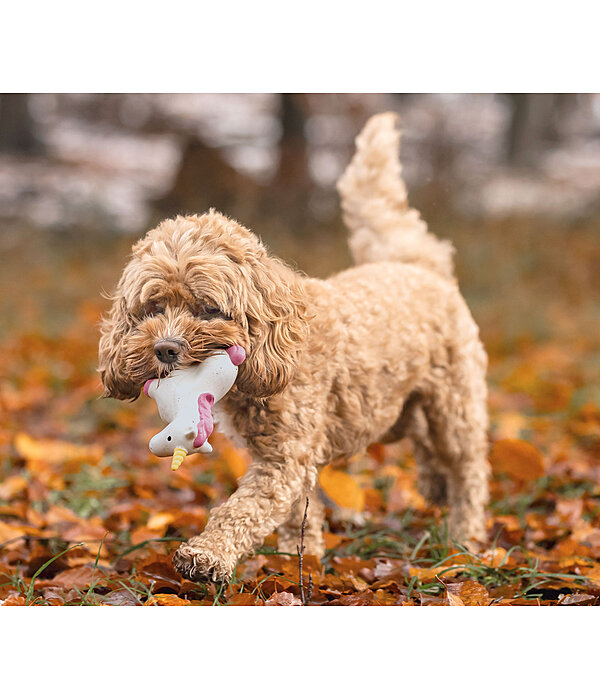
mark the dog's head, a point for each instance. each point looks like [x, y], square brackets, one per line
[195, 284]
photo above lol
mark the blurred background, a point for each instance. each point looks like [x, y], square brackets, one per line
[512, 179]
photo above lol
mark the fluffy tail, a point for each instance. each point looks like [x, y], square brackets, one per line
[375, 206]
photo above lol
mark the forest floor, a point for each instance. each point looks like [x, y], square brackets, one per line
[89, 517]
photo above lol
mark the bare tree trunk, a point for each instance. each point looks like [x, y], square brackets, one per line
[293, 159]
[290, 189]
[16, 125]
[532, 123]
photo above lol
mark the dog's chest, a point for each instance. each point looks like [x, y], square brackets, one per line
[224, 424]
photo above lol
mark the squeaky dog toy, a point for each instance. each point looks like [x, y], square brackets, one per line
[185, 400]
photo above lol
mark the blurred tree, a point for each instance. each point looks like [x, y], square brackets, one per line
[204, 180]
[16, 125]
[288, 194]
[534, 123]
[292, 171]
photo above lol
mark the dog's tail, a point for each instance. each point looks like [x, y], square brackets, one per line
[375, 207]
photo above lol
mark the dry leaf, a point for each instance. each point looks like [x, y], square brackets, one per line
[341, 488]
[517, 458]
[468, 593]
[166, 599]
[56, 451]
[283, 598]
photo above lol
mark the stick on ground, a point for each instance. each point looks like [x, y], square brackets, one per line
[304, 598]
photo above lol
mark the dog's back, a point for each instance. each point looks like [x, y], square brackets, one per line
[374, 203]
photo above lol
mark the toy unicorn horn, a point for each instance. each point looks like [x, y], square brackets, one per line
[185, 400]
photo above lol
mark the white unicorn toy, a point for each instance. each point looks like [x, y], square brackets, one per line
[185, 400]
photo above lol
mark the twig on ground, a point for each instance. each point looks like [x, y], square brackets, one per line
[300, 548]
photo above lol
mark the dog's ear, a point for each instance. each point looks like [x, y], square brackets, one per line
[111, 365]
[277, 327]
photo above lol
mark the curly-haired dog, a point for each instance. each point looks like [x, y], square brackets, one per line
[384, 349]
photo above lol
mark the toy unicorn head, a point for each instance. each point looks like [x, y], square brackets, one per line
[185, 400]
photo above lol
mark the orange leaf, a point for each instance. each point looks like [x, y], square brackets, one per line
[453, 599]
[377, 451]
[80, 577]
[242, 599]
[55, 451]
[11, 486]
[13, 600]
[468, 593]
[166, 599]
[159, 521]
[427, 575]
[341, 488]
[235, 461]
[283, 598]
[517, 458]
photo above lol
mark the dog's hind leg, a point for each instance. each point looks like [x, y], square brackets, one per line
[413, 424]
[290, 533]
[456, 442]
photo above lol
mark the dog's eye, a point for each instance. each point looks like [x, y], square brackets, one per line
[152, 308]
[205, 310]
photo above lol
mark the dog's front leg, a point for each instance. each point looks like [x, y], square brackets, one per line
[261, 503]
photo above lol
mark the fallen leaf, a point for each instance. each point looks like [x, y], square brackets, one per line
[518, 459]
[166, 599]
[159, 521]
[120, 597]
[468, 593]
[283, 598]
[453, 599]
[244, 598]
[80, 577]
[12, 486]
[341, 488]
[13, 600]
[56, 451]
[234, 461]
[577, 599]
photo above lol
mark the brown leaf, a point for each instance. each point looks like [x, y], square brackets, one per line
[341, 488]
[577, 599]
[283, 598]
[166, 599]
[467, 593]
[12, 486]
[120, 597]
[13, 600]
[159, 521]
[517, 458]
[80, 577]
[453, 599]
[55, 451]
[365, 598]
[244, 598]
[428, 575]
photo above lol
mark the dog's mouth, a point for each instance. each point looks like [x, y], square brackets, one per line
[237, 355]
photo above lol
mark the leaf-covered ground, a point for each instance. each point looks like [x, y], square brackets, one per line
[89, 517]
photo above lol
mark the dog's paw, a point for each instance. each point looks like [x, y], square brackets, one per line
[197, 563]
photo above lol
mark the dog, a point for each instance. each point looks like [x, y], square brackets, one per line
[385, 349]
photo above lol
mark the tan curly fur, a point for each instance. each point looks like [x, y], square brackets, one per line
[385, 349]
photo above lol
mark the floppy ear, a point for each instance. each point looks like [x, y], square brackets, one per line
[111, 362]
[277, 327]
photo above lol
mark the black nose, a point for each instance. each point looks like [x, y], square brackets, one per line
[167, 351]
